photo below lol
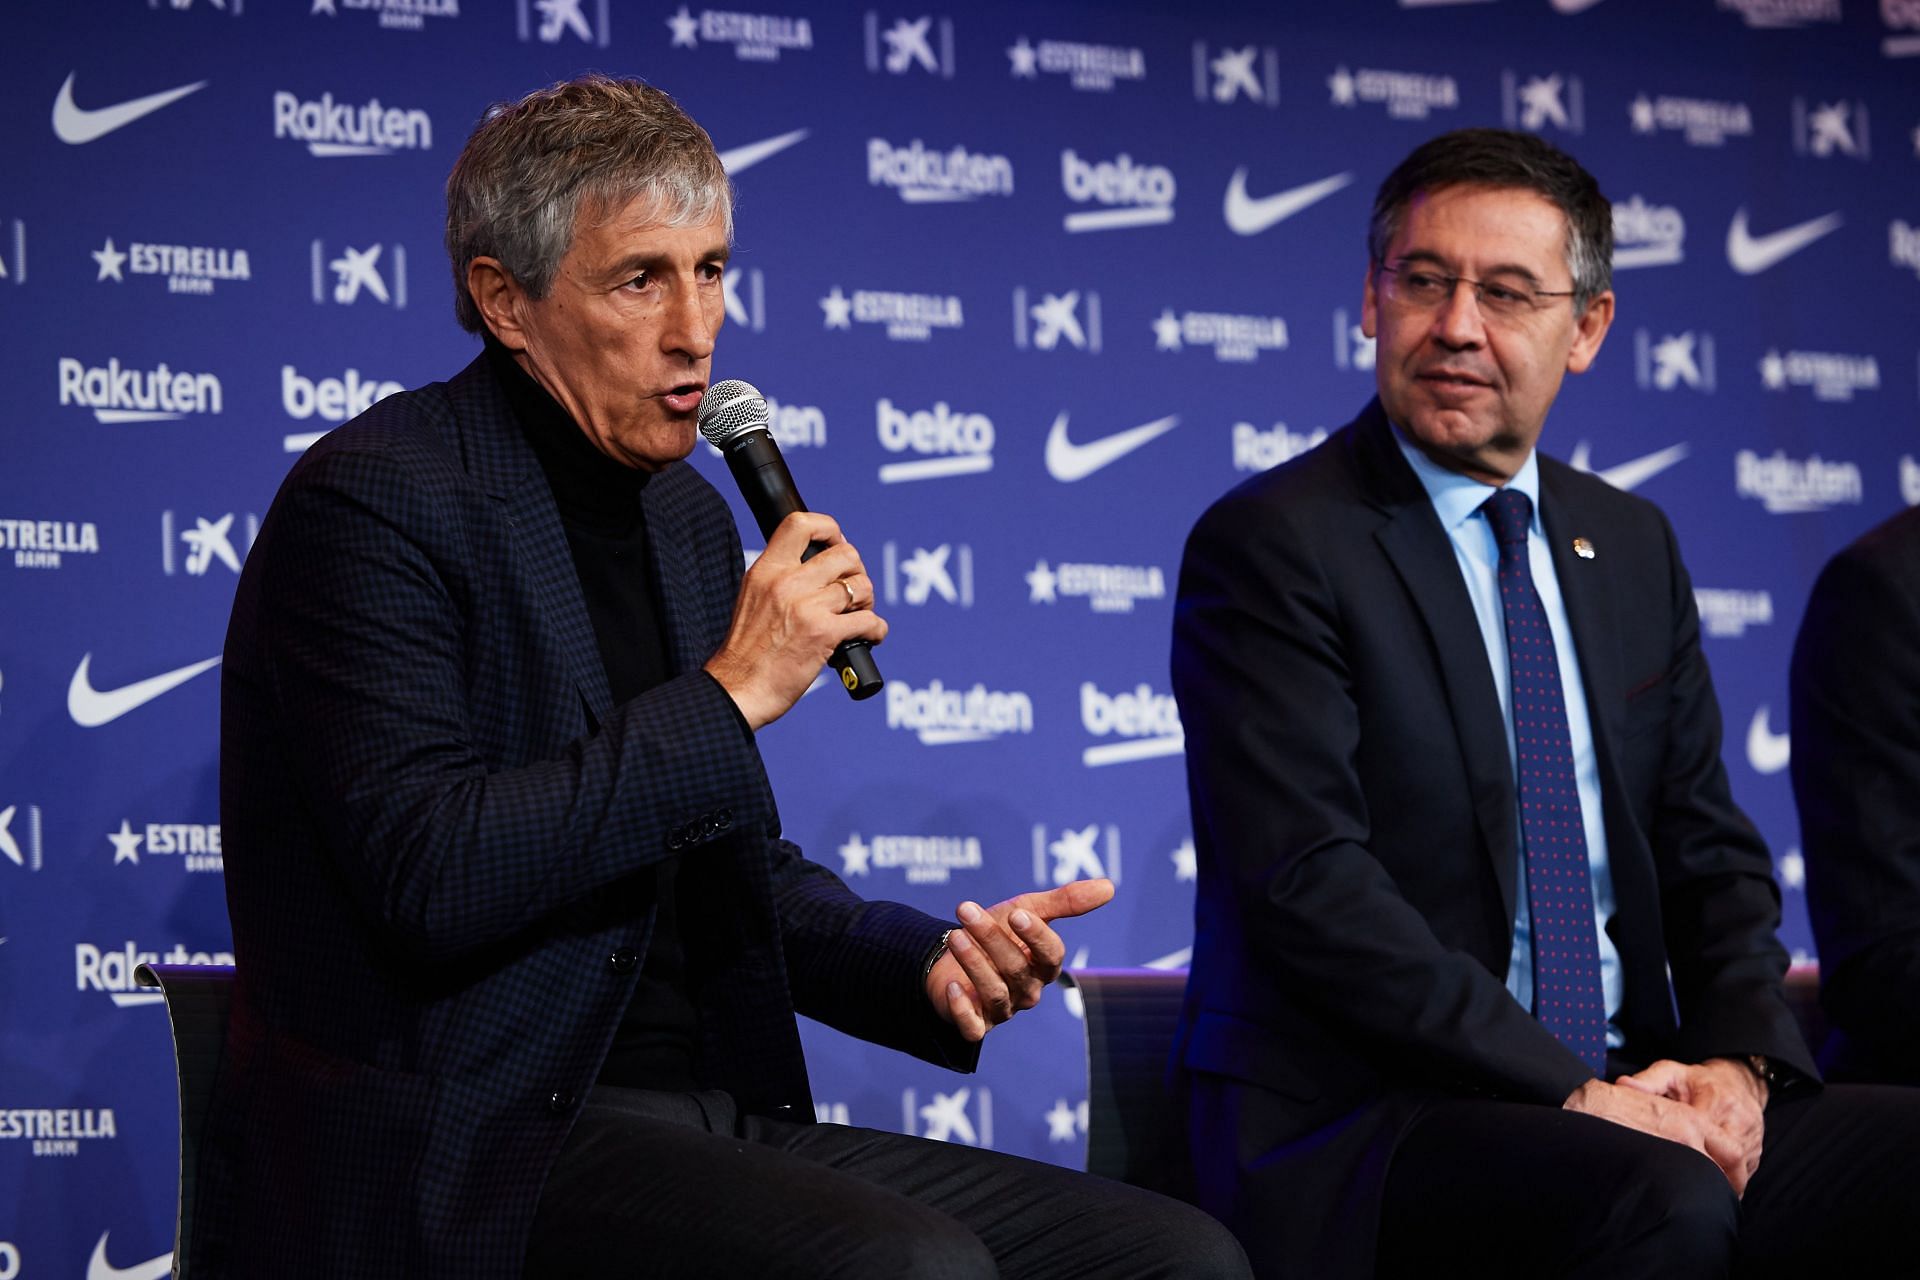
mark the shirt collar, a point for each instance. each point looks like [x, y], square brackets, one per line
[1455, 497]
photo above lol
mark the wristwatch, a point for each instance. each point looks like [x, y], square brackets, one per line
[1761, 1067]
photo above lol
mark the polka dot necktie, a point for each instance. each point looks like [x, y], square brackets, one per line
[1566, 956]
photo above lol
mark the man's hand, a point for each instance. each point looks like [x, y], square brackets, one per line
[1724, 1090]
[790, 617]
[1664, 1117]
[1001, 956]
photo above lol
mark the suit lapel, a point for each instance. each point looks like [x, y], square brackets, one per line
[1421, 554]
[1583, 586]
[504, 464]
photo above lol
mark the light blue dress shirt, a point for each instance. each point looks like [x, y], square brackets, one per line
[1457, 500]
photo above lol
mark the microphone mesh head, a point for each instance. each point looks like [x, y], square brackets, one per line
[729, 408]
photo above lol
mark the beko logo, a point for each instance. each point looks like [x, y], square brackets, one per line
[957, 443]
[1136, 195]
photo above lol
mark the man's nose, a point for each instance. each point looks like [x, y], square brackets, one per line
[1458, 322]
[693, 318]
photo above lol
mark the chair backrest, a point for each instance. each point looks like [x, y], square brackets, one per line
[198, 997]
[1131, 1015]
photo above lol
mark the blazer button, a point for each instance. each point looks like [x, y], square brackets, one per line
[622, 961]
[559, 1101]
[723, 818]
[675, 839]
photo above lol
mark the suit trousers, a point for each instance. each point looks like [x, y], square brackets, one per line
[1491, 1189]
[684, 1184]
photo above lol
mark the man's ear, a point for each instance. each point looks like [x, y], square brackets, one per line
[1590, 330]
[1369, 305]
[499, 298]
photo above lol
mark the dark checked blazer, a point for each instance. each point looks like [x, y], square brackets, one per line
[1856, 777]
[433, 814]
[1354, 818]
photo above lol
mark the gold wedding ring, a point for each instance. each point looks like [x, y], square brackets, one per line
[849, 589]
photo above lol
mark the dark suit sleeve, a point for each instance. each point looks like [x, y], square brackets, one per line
[1720, 906]
[363, 638]
[1856, 777]
[1262, 671]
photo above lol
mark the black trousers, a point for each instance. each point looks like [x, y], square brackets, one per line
[1504, 1189]
[682, 1184]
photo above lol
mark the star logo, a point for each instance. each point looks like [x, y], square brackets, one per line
[1831, 130]
[1040, 584]
[208, 540]
[1064, 1122]
[561, 16]
[1641, 113]
[839, 309]
[1026, 63]
[685, 28]
[855, 856]
[126, 844]
[1186, 867]
[1233, 74]
[907, 44]
[1341, 84]
[9, 847]
[1541, 104]
[358, 269]
[947, 1120]
[111, 260]
[927, 573]
[1773, 371]
[1074, 857]
[1056, 316]
[1166, 331]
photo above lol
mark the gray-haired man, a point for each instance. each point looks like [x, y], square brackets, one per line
[519, 947]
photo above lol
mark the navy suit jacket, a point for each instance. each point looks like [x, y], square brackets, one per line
[1856, 766]
[1354, 818]
[434, 814]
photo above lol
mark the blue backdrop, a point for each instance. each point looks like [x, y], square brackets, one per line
[1030, 286]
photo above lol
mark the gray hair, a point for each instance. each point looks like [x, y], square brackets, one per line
[592, 146]
[1503, 158]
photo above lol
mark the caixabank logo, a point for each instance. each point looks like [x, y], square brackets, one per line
[900, 46]
[20, 836]
[195, 549]
[359, 274]
[1065, 854]
[563, 22]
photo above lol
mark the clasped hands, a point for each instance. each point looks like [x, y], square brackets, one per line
[1001, 957]
[1717, 1107]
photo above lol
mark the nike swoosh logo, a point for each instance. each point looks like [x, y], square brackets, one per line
[98, 1268]
[1767, 751]
[74, 124]
[734, 159]
[1750, 254]
[1250, 217]
[1067, 461]
[91, 708]
[1633, 474]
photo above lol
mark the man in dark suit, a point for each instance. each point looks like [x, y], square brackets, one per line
[1485, 979]
[1856, 778]
[519, 946]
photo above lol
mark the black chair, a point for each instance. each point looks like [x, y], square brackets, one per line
[1130, 1016]
[198, 996]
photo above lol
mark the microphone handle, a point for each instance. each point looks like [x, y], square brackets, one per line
[768, 487]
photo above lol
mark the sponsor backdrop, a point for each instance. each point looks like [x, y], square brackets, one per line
[1029, 286]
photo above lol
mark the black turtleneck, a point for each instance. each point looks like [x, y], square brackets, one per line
[606, 527]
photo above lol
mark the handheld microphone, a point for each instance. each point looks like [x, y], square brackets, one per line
[733, 418]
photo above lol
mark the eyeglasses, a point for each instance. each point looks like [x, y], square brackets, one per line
[1424, 289]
